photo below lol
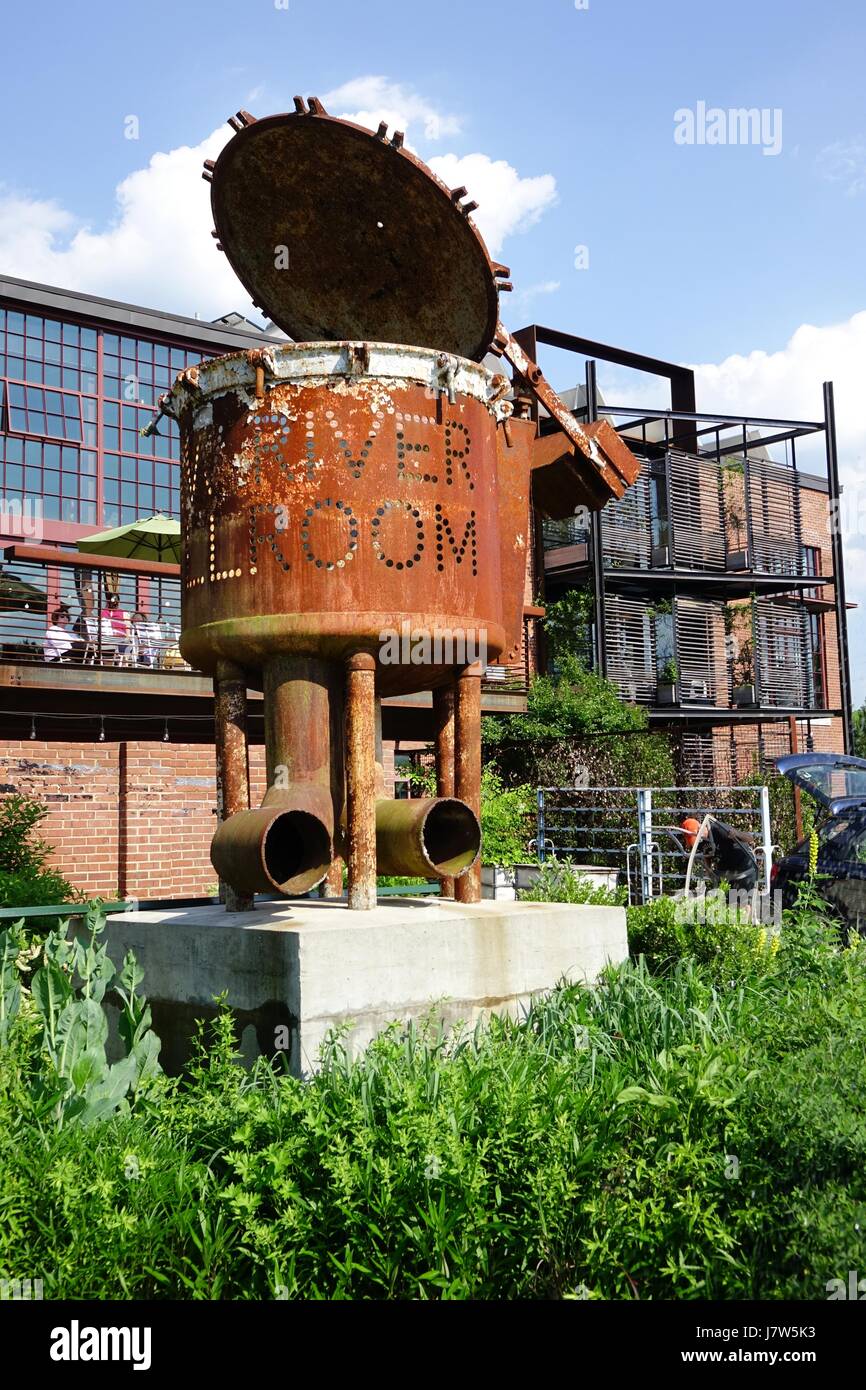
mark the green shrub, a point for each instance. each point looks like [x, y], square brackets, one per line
[507, 823]
[706, 930]
[561, 882]
[665, 930]
[55, 1027]
[575, 702]
[568, 623]
[26, 880]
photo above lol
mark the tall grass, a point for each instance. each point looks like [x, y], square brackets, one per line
[674, 1136]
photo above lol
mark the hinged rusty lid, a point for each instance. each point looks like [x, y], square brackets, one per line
[340, 233]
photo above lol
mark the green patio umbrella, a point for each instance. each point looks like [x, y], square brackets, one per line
[148, 538]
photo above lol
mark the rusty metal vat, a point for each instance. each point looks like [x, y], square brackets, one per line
[360, 487]
[355, 506]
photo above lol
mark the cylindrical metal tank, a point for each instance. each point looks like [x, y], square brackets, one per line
[338, 496]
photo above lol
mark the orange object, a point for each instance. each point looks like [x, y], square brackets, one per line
[691, 828]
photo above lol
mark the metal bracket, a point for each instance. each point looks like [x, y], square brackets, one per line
[445, 376]
[359, 358]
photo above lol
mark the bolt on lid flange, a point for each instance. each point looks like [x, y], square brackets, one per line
[338, 232]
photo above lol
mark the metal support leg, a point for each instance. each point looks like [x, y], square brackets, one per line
[333, 884]
[467, 761]
[361, 780]
[443, 717]
[232, 757]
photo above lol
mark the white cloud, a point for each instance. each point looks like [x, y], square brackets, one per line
[28, 227]
[157, 251]
[507, 203]
[369, 100]
[523, 298]
[845, 162]
[530, 292]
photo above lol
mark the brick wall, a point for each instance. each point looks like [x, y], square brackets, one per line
[128, 818]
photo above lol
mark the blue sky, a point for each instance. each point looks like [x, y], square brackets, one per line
[715, 255]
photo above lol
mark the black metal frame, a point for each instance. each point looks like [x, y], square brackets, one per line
[683, 409]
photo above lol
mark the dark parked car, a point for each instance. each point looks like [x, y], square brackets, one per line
[838, 784]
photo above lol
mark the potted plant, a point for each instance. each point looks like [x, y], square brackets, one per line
[733, 474]
[667, 689]
[745, 690]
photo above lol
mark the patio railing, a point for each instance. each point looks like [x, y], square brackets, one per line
[37, 581]
[142, 629]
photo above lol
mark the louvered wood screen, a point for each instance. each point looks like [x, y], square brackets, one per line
[784, 666]
[626, 528]
[701, 652]
[630, 641]
[774, 516]
[695, 506]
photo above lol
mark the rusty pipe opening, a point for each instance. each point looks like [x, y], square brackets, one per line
[296, 852]
[451, 837]
[433, 835]
[284, 845]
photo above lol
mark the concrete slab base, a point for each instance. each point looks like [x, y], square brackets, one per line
[293, 972]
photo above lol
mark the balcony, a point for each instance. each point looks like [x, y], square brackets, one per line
[94, 664]
[688, 655]
[728, 512]
[108, 617]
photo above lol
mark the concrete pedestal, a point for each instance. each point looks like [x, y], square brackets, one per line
[293, 972]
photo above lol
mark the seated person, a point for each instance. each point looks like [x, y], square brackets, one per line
[117, 619]
[146, 638]
[58, 643]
